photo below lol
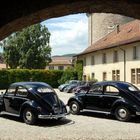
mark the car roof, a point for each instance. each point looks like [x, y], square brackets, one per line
[112, 83]
[30, 83]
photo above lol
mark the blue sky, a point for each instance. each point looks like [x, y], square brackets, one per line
[69, 34]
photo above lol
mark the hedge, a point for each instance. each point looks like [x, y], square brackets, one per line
[68, 74]
[51, 77]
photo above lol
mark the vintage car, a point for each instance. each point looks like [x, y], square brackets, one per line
[121, 99]
[83, 88]
[69, 88]
[32, 101]
[63, 86]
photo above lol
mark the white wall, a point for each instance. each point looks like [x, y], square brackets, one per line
[98, 68]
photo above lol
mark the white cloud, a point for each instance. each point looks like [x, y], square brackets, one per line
[68, 34]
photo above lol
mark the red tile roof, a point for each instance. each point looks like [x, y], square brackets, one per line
[61, 61]
[2, 66]
[128, 33]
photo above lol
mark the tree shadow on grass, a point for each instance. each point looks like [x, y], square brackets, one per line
[42, 123]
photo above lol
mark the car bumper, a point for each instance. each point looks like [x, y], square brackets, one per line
[51, 116]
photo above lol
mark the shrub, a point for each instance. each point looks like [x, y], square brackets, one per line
[19, 75]
[50, 77]
[4, 79]
[69, 74]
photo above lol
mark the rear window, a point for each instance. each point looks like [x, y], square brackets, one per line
[132, 88]
[129, 87]
[44, 90]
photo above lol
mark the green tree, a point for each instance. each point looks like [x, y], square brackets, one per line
[28, 48]
[11, 53]
[79, 69]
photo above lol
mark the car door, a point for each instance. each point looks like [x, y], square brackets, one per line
[93, 99]
[20, 98]
[110, 95]
[9, 97]
[14, 98]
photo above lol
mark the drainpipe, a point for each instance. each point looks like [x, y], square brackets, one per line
[124, 60]
[91, 30]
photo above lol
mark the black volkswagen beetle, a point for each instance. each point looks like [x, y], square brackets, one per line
[32, 101]
[117, 98]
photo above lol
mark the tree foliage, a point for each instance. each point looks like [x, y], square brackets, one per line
[79, 69]
[28, 48]
[68, 74]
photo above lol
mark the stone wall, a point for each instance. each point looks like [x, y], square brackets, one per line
[100, 24]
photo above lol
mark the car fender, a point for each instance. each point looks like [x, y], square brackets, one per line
[63, 106]
[29, 104]
[123, 102]
[75, 99]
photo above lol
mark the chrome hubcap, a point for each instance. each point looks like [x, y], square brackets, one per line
[122, 113]
[28, 115]
[74, 107]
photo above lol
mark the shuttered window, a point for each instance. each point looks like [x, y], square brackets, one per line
[116, 75]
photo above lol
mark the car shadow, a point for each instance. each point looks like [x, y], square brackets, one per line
[54, 123]
[135, 119]
[42, 123]
[96, 115]
[13, 118]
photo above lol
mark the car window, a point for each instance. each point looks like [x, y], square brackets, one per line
[96, 89]
[132, 88]
[45, 90]
[21, 91]
[11, 90]
[82, 91]
[111, 90]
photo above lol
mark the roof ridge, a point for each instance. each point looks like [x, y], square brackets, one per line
[117, 38]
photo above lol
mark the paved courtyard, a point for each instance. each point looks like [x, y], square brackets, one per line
[89, 126]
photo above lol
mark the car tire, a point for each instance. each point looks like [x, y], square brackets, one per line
[74, 108]
[29, 116]
[122, 113]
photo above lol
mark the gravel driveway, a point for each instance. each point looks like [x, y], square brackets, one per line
[89, 126]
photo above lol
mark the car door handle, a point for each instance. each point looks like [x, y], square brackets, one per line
[12, 98]
[101, 96]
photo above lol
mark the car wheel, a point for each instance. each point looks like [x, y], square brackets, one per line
[122, 113]
[29, 116]
[74, 107]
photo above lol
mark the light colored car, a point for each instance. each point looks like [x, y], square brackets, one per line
[63, 86]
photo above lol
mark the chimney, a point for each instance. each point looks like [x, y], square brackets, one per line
[118, 28]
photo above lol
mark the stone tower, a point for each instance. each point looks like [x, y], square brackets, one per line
[100, 24]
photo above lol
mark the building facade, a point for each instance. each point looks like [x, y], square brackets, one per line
[115, 56]
[60, 63]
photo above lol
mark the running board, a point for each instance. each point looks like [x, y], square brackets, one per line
[7, 113]
[96, 111]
